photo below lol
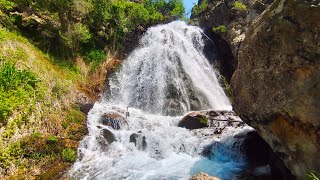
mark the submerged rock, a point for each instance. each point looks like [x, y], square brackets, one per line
[276, 85]
[108, 136]
[139, 140]
[194, 120]
[105, 138]
[203, 176]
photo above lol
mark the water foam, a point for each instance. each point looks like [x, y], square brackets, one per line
[166, 75]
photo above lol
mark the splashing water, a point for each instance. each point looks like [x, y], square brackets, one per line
[167, 75]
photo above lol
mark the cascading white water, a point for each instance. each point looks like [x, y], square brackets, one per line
[167, 75]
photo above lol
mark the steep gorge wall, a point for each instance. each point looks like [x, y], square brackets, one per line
[277, 82]
[276, 53]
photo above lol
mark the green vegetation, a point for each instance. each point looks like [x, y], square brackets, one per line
[198, 9]
[93, 24]
[227, 87]
[313, 176]
[52, 139]
[220, 29]
[239, 6]
[17, 89]
[48, 51]
[203, 120]
[69, 155]
[35, 96]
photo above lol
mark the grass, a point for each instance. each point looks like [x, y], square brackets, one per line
[69, 155]
[313, 176]
[40, 121]
[37, 94]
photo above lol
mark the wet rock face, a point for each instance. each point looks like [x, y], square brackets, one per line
[139, 140]
[194, 121]
[114, 120]
[277, 82]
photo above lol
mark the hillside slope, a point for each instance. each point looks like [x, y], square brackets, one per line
[40, 122]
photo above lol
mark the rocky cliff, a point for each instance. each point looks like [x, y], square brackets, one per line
[277, 82]
[223, 13]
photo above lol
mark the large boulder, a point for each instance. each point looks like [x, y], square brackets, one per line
[194, 120]
[276, 85]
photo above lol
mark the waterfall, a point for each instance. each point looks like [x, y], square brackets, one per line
[169, 74]
[164, 78]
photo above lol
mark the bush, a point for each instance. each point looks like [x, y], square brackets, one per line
[198, 9]
[6, 5]
[239, 6]
[69, 155]
[95, 56]
[220, 29]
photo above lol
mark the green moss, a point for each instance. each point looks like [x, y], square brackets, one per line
[203, 120]
[69, 155]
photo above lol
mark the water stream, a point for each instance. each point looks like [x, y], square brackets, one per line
[163, 79]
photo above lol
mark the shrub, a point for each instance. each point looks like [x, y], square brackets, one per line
[198, 9]
[239, 6]
[220, 29]
[95, 55]
[6, 5]
[69, 155]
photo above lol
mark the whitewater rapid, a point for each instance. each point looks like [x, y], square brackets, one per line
[163, 79]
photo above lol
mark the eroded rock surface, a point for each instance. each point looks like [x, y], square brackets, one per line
[237, 21]
[203, 176]
[277, 82]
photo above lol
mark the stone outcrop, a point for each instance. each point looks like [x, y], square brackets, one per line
[203, 176]
[277, 82]
[237, 21]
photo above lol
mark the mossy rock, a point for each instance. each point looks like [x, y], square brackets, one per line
[194, 121]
